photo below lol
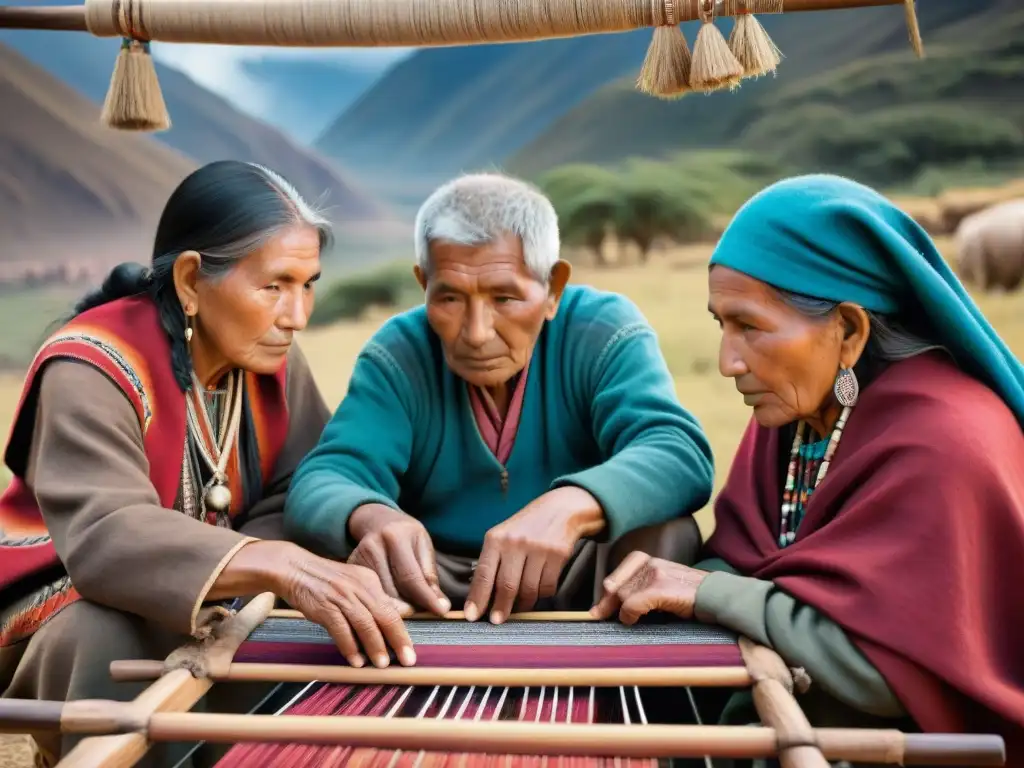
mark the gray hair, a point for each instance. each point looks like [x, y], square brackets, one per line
[290, 209]
[224, 211]
[890, 340]
[475, 209]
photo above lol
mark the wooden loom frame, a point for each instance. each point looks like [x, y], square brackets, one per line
[121, 733]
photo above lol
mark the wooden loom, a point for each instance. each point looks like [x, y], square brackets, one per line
[383, 718]
[670, 69]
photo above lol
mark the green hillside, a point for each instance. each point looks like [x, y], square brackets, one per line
[849, 97]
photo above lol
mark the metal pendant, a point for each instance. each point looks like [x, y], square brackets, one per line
[218, 498]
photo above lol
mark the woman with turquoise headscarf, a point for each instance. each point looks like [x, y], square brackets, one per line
[871, 528]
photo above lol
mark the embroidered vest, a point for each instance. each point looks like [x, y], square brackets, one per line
[125, 340]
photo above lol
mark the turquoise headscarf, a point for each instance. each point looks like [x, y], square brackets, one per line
[835, 239]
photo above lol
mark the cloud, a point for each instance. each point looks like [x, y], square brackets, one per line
[220, 68]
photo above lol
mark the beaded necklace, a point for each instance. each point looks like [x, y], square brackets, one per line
[808, 466]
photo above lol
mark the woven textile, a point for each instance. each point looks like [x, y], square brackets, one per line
[514, 644]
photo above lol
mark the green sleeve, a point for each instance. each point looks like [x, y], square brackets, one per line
[361, 456]
[657, 460]
[802, 636]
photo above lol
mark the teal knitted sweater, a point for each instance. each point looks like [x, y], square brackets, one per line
[600, 412]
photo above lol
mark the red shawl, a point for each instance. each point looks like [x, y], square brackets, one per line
[126, 341]
[914, 543]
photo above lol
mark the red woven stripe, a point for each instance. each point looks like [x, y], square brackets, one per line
[515, 656]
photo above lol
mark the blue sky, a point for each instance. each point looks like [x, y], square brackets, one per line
[219, 67]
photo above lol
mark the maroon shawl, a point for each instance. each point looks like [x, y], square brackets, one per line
[913, 544]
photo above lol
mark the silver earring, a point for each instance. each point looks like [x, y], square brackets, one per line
[847, 388]
[188, 329]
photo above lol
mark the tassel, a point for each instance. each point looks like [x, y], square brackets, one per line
[134, 101]
[752, 47]
[913, 29]
[714, 65]
[666, 69]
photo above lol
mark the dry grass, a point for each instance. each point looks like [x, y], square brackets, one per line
[672, 292]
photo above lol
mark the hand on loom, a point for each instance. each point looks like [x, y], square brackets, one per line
[348, 601]
[642, 584]
[523, 557]
[398, 549]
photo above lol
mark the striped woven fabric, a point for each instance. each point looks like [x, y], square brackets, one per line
[480, 644]
[552, 644]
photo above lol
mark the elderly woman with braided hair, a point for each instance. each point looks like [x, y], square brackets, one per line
[153, 446]
[871, 528]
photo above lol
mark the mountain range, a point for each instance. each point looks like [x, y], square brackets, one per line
[849, 64]
[72, 190]
[528, 107]
[371, 146]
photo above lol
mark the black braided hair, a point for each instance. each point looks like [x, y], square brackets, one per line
[223, 211]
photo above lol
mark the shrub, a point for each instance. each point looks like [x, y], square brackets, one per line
[640, 203]
[392, 286]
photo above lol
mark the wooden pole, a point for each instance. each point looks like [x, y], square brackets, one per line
[663, 677]
[65, 18]
[71, 18]
[518, 737]
[568, 739]
[503, 737]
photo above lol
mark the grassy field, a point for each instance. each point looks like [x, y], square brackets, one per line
[672, 292]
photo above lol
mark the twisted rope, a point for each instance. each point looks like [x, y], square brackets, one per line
[366, 23]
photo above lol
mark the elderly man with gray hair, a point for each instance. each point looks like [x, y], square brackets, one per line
[494, 442]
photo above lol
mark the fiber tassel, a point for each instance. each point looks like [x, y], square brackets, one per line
[666, 69]
[134, 101]
[714, 65]
[752, 47]
[913, 29]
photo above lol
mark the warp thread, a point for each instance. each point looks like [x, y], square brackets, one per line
[488, 704]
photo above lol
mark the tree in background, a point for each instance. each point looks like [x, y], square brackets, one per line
[646, 201]
[587, 200]
[655, 203]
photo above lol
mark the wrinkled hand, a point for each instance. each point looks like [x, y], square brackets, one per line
[398, 549]
[642, 584]
[348, 601]
[522, 558]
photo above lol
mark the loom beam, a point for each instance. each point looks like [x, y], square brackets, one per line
[72, 18]
[517, 738]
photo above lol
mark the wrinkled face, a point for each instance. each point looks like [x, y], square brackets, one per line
[783, 362]
[486, 307]
[248, 316]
